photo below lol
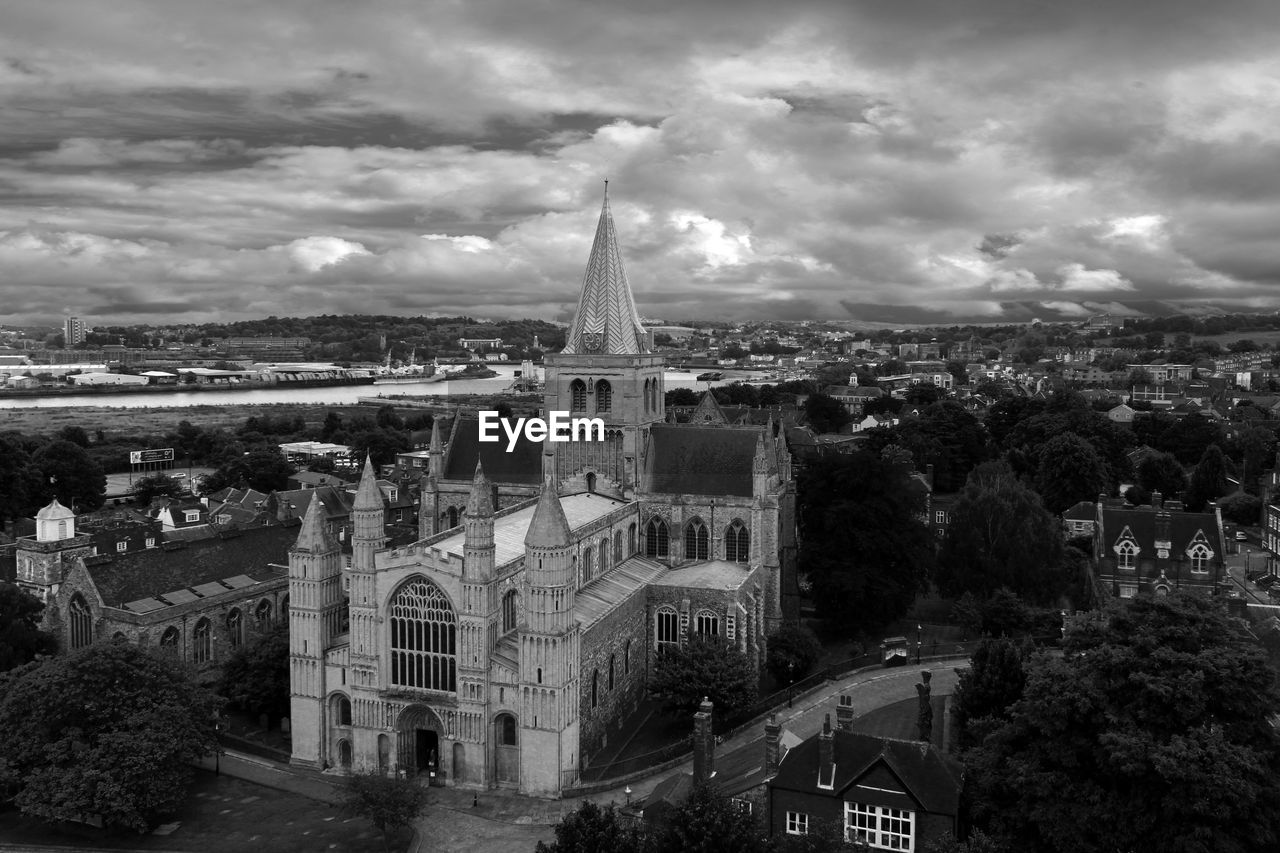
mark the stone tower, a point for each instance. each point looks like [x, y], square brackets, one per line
[429, 508]
[42, 562]
[315, 618]
[549, 650]
[476, 619]
[608, 370]
[368, 536]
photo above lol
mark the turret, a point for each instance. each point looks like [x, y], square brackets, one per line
[368, 520]
[478, 550]
[761, 467]
[435, 452]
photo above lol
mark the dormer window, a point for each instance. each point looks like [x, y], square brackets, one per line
[191, 515]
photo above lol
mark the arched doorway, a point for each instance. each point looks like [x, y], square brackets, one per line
[419, 753]
[506, 750]
[344, 754]
[384, 754]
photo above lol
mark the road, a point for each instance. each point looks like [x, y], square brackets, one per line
[118, 485]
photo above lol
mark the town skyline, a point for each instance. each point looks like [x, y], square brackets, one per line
[916, 164]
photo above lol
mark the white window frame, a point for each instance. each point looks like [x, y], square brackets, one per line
[190, 515]
[122, 546]
[1200, 556]
[674, 618]
[1127, 555]
[797, 823]
[151, 541]
[940, 516]
[881, 827]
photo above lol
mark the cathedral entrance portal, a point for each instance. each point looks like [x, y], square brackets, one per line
[419, 752]
[426, 751]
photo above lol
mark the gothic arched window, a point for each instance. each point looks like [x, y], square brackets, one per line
[81, 622]
[341, 710]
[1127, 555]
[262, 615]
[202, 641]
[235, 627]
[626, 658]
[505, 727]
[656, 538]
[737, 542]
[510, 609]
[667, 628]
[617, 547]
[169, 639]
[695, 540]
[1199, 558]
[613, 663]
[707, 623]
[586, 564]
[578, 396]
[603, 550]
[453, 516]
[423, 637]
[604, 395]
[631, 539]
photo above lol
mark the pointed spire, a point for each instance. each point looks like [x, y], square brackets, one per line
[480, 501]
[606, 320]
[549, 527]
[435, 446]
[314, 537]
[708, 411]
[368, 496]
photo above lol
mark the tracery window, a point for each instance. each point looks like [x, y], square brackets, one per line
[695, 540]
[668, 628]
[656, 538]
[262, 615]
[1199, 559]
[169, 639]
[737, 542]
[617, 546]
[81, 622]
[235, 627]
[707, 624]
[603, 551]
[202, 641]
[604, 395]
[578, 396]
[423, 638]
[1126, 555]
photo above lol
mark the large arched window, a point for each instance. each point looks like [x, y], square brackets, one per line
[656, 538]
[604, 395]
[510, 610]
[340, 709]
[603, 550]
[1199, 559]
[169, 639]
[504, 726]
[578, 396]
[1127, 555]
[667, 629]
[81, 622]
[617, 547]
[452, 513]
[202, 641]
[423, 638]
[262, 614]
[631, 539]
[587, 556]
[737, 542]
[695, 540]
[235, 627]
[707, 624]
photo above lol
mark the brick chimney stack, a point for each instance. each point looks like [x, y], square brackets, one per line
[844, 712]
[772, 745]
[826, 755]
[704, 743]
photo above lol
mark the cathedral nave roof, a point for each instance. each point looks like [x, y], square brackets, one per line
[602, 595]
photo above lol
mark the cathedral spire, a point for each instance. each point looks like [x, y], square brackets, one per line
[368, 495]
[549, 527]
[480, 501]
[606, 321]
[314, 537]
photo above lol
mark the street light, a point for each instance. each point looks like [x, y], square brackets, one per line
[791, 665]
[919, 630]
[627, 791]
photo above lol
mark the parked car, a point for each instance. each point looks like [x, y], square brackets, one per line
[1241, 536]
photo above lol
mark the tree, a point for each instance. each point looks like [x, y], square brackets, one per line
[19, 480]
[390, 803]
[1209, 480]
[1001, 535]
[1069, 471]
[262, 470]
[993, 682]
[20, 636]
[865, 549]
[1256, 445]
[1162, 472]
[967, 613]
[826, 414]
[109, 730]
[74, 434]
[681, 397]
[706, 822]
[146, 489]
[793, 650]
[1188, 438]
[947, 437]
[1152, 732]
[381, 445]
[591, 828]
[69, 473]
[1004, 614]
[977, 842]
[704, 667]
[1242, 508]
[923, 394]
[256, 676]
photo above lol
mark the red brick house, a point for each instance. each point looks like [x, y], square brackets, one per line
[1158, 548]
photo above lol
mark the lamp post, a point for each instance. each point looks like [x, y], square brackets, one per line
[919, 631]
[791, 665]
[627, 791]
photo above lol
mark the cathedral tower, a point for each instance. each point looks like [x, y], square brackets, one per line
[368, 536]
[608, 370]
[429, 507]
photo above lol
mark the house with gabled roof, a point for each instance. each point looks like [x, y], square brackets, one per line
[1157, 549]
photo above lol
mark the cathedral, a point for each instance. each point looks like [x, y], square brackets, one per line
[510, 643]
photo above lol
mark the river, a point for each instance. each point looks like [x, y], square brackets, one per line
[340, 395]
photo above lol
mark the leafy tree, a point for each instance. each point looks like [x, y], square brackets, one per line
[977, 842]
[824, 836]
[793, 650]
[591, 828]
[70, 473]
[20, 636]
[1070, 471]
[1162, 472]
[1068, 412]
[865, 549]
[146, 489]
[263, 470]
[110, 729]
[19, 480]
[682, 397]
[389, 418]
[947, 437]
[707, 822]
[967, 613]
[1256, 445]
[1188, 438]
[1152, 732]
[1241, 508]
[256, 677]
[826, 414]
[390, 803]
[381, 445]
[74, 434]
[993, 682]
[1209, 480]
[1005, 614]
[923, 394]
[704, 667]
[1001, 535]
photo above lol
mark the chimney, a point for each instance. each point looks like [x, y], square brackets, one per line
[844, 712]
[826, 755]
[1157, 500]
[704, 744]
[772, 745]
[1162, 531]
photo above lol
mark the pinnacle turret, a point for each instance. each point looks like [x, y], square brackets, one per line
[549, 527]
[480, 501]
[368, 495]
[606, 321]
[314, 537]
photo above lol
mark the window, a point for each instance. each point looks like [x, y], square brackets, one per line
[743, 806]
[235, 628]
[202, 640]
[604, 395]
[169, 639]
[341, 710]
[81, 622]
[577, 396]
[191, 515]
[586, 564]
[656, 538]
[737, 542]
[603, 551]
[151, 541]
[262, 615]
[940, 517]
[510, 607]
[879, 827]
[695, 540]
[797, 823]
[121, 547]
[1199, 559]
[505, 728]
[1126, 555]
[668, 628]
[452, 513]
[707, 624]
[631, 539]
[617, 547]
[423, 638]
[626, 658]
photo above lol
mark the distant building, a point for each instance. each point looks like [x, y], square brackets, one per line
[74, 331]
[480, 343]
[1157, 550]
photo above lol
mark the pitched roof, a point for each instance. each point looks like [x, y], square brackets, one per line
[700, 460]
[522, 466]
[314, 537]
[153, 572]
[1184, 527]
[708, 410]
[548, 527]
[368, 496]
[606, 320]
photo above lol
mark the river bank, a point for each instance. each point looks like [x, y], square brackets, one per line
[160, 419]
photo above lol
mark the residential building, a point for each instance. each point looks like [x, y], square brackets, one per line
[74, 331]
[1157, 550]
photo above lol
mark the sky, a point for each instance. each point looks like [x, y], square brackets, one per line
[888, 161]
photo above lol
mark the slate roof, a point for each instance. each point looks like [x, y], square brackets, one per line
[714, 574]
[695, 460]
[931, 779]
[606, 308]
[522, 466]
[606, 592]
[1081, 511]
[1183, 527]
[144, 574]
[295, 502]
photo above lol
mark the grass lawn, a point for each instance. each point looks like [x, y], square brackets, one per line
[223, 814]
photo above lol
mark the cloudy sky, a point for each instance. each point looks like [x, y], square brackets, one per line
[878, 160]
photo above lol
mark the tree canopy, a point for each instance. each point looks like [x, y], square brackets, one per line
[704, 667]
[20, 636]
[68, 472]
[390, 803]
[1209, 480]
[592, 828]
[793, 650]
[1069, 471]
[256, 677]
